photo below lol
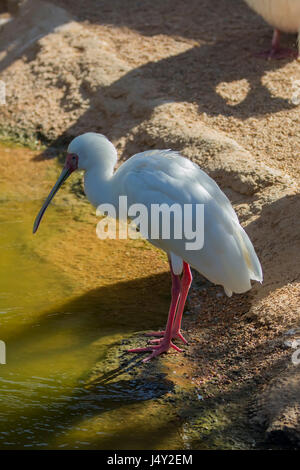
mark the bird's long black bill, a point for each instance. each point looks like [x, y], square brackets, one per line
[63, 176]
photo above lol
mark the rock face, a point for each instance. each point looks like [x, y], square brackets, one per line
[62, 79]
[278, 409]
[226, 161]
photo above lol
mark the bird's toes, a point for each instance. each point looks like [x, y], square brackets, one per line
[147, 349]
[149, 358]
[182, 338]
[277, 54]
[157, 350]
[172, 345]
[155, 333]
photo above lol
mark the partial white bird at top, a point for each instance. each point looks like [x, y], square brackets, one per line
[227, 257]
[283, 15]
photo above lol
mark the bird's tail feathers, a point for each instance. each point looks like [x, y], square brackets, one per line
[250, 256]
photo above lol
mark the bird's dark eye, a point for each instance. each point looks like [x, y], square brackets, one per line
[74, 158]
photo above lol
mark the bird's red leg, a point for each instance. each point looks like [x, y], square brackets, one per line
[165, 342]
[186, 282]
[276, 51]
[275, 45]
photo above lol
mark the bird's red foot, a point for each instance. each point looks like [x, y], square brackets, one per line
[164, 346]
[175, 335]
[278, 54]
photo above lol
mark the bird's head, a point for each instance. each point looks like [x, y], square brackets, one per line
[84, 152]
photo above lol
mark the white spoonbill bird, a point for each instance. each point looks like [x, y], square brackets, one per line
[161, 177]
[283, 15]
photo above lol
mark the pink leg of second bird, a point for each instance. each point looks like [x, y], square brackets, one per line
[276, 51]
[180, 290]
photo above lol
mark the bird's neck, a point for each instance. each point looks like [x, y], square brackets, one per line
[99, 187]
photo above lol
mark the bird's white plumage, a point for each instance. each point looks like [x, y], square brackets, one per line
[163, 176]
[227, 257]
[177, 263]
[281, 14]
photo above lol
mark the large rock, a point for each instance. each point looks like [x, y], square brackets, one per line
[277, 409]
[226, 161]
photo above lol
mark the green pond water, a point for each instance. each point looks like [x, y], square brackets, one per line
[62, 384]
